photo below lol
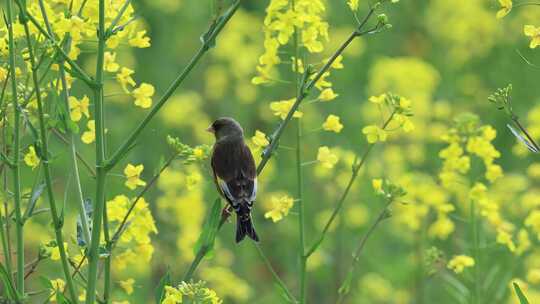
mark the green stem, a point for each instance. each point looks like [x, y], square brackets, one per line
[128, 143]
[198, 258]
[356, 169]
[44, 156]
[118, 232]
[85, 163]
[118, 16]
[515, 119]
[73, 149]
[301, 219]
[299, 176]
[99, 204]
[476, 253]
[526, 4]
[108, 259]
[356, 257]
[4, 221]
[16, 154]
[276, 277]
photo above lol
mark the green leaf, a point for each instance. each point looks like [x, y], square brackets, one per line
[8, 285]
[521, 296]
[60, 298]
[210, 228]
[165, 280]
[36, 193]
[456, 289]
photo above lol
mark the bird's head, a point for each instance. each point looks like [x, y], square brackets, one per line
[225, 127]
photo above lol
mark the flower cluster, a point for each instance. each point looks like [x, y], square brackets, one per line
[400, 109]
[135, 237]
[76, 22]
[190, 293]
[468, 138]
[280, 207]
[280, 24]
[187, 153]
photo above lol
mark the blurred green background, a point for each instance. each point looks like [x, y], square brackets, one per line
[447, 57]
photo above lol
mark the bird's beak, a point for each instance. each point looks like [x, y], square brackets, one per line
[210, 129]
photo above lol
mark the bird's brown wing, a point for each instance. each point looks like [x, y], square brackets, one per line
[234, 172]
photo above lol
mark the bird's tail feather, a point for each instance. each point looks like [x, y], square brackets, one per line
[244, 227]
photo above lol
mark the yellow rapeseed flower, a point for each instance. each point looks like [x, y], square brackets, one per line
[260, 140]
[374, 134]
[377, 184]
[133, 174]
[505, 238]
[459, 262]
[127, 285]
[172, 296]
[58, 285]
[30, 158]
[3, 74]
[143, 95]
[280, 207]
[282, 108]
[534, 33]
[378, 99]
[353, 4]
[109, 63]
[124, 78]
[140, 40]
[55, 252]
[328, 95]
[78, 108]
[326, 157]
[198, 153]
[89, 136]
[332, 124]
[506, 7]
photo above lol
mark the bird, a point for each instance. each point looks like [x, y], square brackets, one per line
[235, 174]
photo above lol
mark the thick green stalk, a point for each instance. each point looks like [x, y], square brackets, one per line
[5, 222]
[301, 243]
[108, 259]
[299, 178]
[44, 156]
[198, 258]
[123, 149]
[16, 154]
[99, 203]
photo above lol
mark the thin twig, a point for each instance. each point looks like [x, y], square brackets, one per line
[356, 169]
[356, 257]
